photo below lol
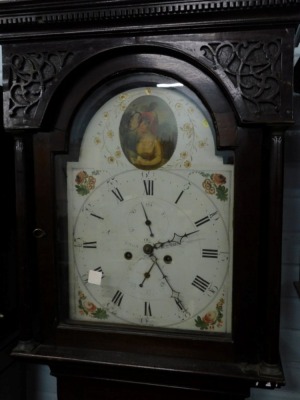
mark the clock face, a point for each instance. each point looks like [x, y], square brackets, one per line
[150, 215]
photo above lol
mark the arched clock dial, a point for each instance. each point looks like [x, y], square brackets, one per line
[159, 244]
[150, 211]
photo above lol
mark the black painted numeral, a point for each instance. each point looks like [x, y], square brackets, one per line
[205, 219]
[147, 309]
[118, 195]
[89, 245]
[200, 283]
[149, 187]
[178, 198]
[89, 209]
[210, 253]
[96, 216]
[118, 297]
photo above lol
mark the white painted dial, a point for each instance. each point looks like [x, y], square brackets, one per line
[161, 244]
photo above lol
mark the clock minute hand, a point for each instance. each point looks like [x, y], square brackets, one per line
[147, 222]
[176, 239]
[175, 295]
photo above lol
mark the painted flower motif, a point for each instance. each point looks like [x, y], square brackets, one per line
[220, 303]
[202, 143]
[188, 129]
[91, 182]
[110, 134]
[187, 164]
[212, 318]
[81, 295]
[184, 154]
[208, 186]
[110, 159]
[215, 184]
[123, 96]
[105, 115]
[88, 308]
[80, 177]
[84, 183]
[178, 106]
[148, 90]
[118, 153]
[97, 140]
[218, 179]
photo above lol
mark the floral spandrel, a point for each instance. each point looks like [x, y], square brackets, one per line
[212, 319]
[84, 183]
[90, 309]
[214, 184]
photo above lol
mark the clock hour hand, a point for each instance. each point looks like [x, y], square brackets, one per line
[176, 240]
[147, 222]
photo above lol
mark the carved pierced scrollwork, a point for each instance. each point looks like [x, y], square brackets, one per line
[251, 71]
[253, 68]
[30, 76]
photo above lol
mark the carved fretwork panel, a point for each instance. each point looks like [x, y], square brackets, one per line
[254, 72]
[31, 77]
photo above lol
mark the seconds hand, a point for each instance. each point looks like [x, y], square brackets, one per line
[147, 275]
[147, 222]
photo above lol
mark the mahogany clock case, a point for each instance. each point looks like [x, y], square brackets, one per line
[250, 285]
[242, 74]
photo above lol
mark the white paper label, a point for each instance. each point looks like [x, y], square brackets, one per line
[95, 277]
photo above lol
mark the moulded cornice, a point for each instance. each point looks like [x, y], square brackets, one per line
[29, 16]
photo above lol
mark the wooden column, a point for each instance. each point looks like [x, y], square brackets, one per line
[24, 228]
[273, 201]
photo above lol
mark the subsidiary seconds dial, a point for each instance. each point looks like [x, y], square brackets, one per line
[161, 244]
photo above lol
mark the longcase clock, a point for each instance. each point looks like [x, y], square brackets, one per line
[148, 144]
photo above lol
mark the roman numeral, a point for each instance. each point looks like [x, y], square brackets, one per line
[89, 245]
[178, 198]
[200, 283]
[89, 209]
[205, 219]
[147, 309]
[118, 195]
[118, 297]
[96, 216]
[149, 187]
[210, 253]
